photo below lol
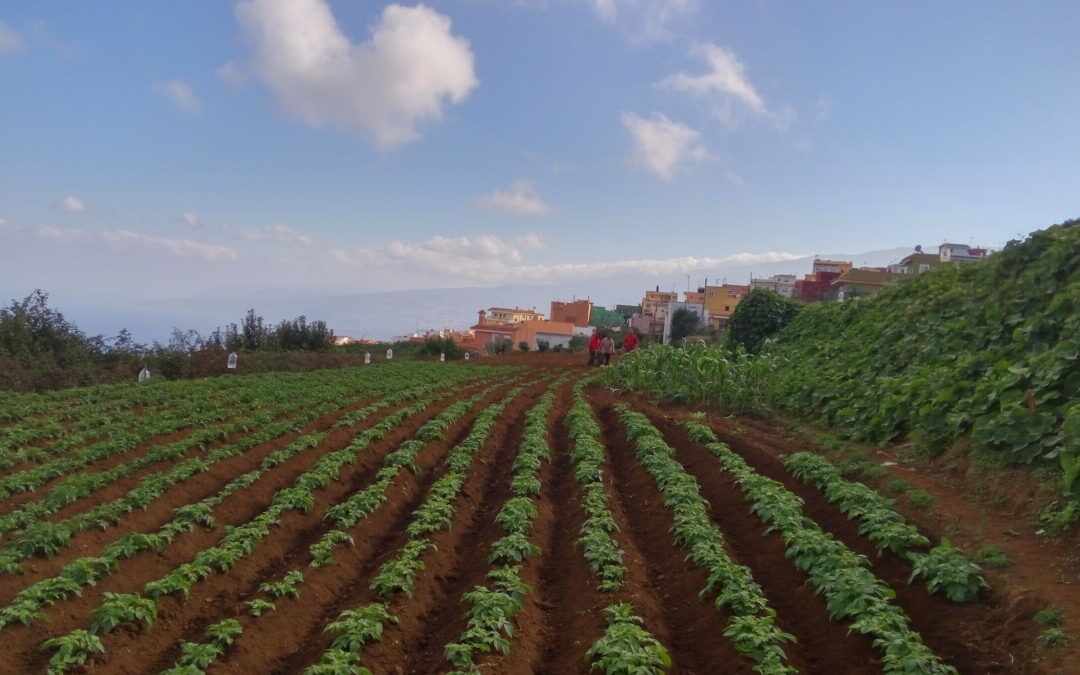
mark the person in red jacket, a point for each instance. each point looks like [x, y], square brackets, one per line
[630, 343]
[594, 347]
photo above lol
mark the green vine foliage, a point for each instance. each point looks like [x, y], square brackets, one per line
[987, 350]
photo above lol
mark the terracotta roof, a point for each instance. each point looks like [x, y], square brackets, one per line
[867, 277]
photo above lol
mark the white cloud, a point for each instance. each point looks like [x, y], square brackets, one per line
[728, 88]
[233, 74]
[383, 89]
[61, 233]
[521, 199]
[10, 40]
[72, 205]
[663, 146]
[279, 233]
[643, 20]
[181, 95]
[178, 247]
[193, 220]
[491, 260]
[605, 8]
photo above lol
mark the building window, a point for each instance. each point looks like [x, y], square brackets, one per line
[727, 308]
[923, 267]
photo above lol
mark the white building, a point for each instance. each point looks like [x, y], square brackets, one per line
[782, 284]
[672, 307]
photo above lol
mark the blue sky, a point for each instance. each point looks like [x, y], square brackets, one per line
[157, 150]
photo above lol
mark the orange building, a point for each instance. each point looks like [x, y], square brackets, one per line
[577, 313]
[552, 332]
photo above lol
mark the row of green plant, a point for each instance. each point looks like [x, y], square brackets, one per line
[730, 379]
[851, 591]
[626, 647]
[243, 540]
[49, 538]
[28, 604]
[196, 657]
[363, 503]
[397, 576]
[945, 568]
[350, 511]
[489, 623]
[117, 442]
[752, 625]
[597, 540]
[63, 429]
[84, 484]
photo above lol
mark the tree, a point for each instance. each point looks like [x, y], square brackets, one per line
[684, 322]
[759, 316]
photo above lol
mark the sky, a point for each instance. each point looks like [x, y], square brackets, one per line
[158, 152]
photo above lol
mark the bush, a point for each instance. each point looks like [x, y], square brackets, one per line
[523, 346]
[542, 345]
[758, 317]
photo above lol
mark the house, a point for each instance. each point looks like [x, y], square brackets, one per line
[960, 253]
[628, 311]
[817, 285]
[864, 281]
[655, 302]
[342, 340]
[555, 333]
[782, 284]
[918, 262]
[487, 332]
[578, 312]
[721, 301]
[697, 309]
[505, 316]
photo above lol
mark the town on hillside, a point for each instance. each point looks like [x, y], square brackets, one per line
[500, 328]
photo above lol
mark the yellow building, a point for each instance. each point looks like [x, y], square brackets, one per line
[502, 315]
[721, 301]
[655, 302]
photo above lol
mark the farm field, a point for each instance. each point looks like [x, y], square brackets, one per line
[433, 518]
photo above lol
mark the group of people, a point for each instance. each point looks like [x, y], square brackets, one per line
[602, 346]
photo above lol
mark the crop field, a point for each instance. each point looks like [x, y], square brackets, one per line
[435, 518]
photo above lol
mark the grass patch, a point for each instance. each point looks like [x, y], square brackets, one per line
[920, 498]
[898, 486]
[992, 556]
[1053, 637]
[1051, 617]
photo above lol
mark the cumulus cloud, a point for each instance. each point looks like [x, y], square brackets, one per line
[180, 94]
[72, 205]
[726, 77]
[383, 89]
[489, 259]
[10, 40]
[233, 74]
[521, 199]
[178, 247]
[279, 233]
[662, 146]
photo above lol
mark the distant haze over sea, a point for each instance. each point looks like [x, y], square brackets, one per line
[383, 315]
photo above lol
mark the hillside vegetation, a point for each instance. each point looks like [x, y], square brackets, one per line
[988, 350]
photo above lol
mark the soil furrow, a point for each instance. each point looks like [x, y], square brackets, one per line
[691, 628]
[439, 561]
[297, 636]
[135, 573]
[570, 605]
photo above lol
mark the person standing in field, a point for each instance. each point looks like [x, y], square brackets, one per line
[594, 349]
[607, 348]
[630, 343]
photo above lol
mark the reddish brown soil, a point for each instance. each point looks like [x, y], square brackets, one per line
[995, 634]
[563, 615]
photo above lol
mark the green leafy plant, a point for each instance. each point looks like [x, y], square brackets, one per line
[1051, 616]
[947, 570]
[626, 648]
[72, 649]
